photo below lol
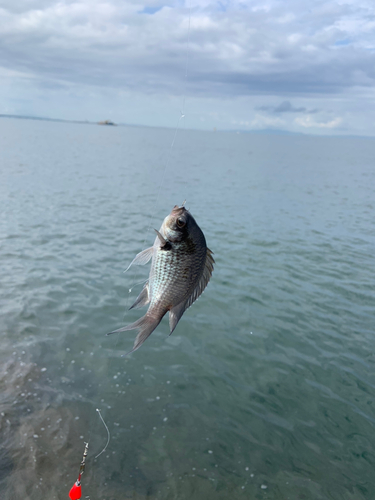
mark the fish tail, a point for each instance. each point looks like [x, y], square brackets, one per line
[146, 325]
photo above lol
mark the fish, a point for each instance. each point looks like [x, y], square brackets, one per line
[181, 267]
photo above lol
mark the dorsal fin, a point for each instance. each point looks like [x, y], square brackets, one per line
[176, 312]
[205, 278]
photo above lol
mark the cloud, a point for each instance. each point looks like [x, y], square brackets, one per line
[308, 122]
[278, 52]
[286, 107]
[261, 121]
[234, 47]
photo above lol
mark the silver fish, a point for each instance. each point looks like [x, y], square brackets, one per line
[181, 268]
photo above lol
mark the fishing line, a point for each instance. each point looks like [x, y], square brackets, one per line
[75, 492]
[187, 60]
[141, 282]
[181, 117]
[169, 155]
[108, 434]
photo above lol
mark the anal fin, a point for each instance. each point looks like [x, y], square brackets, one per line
[175, 315]
[143, 298]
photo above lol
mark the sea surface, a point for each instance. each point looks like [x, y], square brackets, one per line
[266, 389]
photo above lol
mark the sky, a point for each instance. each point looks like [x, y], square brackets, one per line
[305, 66]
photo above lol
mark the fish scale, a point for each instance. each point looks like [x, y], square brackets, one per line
[181, 268]
[169, 276]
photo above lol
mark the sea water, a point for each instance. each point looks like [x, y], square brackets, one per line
[266, 388]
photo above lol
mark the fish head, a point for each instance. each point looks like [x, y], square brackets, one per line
[176, 225]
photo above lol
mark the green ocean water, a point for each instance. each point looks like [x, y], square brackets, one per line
[266, 388]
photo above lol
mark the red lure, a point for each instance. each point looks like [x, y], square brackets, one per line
[75, 492]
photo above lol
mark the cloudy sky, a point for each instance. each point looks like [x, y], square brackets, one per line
[296, 65]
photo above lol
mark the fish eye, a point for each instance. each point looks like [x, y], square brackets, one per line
[180, 222]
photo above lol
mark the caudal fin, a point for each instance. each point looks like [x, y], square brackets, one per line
[146, 325]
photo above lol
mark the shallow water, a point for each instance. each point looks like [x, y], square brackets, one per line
[266, 388]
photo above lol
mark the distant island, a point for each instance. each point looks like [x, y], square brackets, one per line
[111, 123]
[106, 122]
[43, 118]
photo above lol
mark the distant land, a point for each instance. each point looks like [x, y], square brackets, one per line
[23, 117]
[269, 131]
[263, 131]
[266, 131]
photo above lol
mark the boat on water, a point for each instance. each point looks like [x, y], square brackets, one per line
[106, 122]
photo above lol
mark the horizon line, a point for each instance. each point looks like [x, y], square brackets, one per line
[271, 131]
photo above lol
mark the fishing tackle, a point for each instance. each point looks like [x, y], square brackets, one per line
[76, 492]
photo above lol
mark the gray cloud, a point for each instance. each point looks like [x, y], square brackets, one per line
[245, 50]
[293, 50]
[286, 107]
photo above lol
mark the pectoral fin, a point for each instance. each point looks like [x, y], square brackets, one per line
[141, 258]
